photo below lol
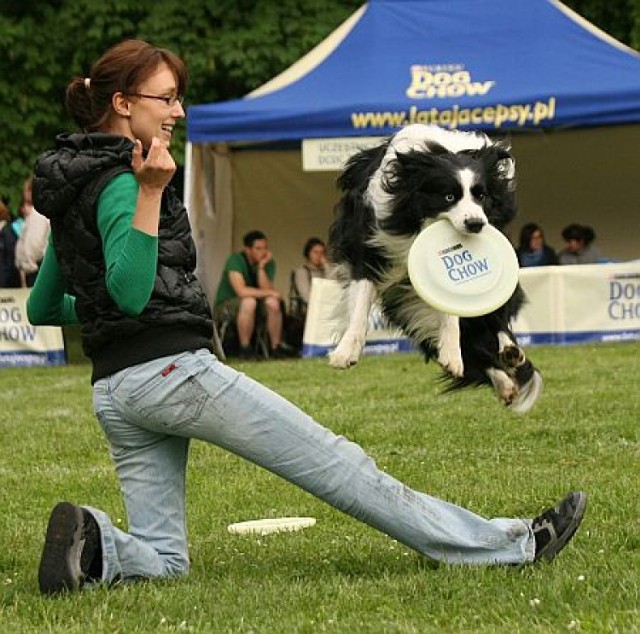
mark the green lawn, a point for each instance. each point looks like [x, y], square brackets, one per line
[340, 576]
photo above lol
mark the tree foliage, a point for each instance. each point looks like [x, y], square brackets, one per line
[230, 47]
[617, 17]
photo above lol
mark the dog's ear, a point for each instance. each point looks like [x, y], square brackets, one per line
[499, 166]
[360, 167]
[354, 220]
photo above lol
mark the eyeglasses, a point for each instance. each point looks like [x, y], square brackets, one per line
[169, 101]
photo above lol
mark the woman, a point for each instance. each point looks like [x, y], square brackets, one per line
[33, 239]
[9, 277]
[315, 265]
[122, 264]
[578, 246]
[533, 250]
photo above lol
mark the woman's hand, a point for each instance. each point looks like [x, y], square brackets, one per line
[154, 172]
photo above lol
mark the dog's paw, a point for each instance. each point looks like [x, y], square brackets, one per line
[512, 357]
[455, 367]
[346, 354]
[451, 361]
[506, 389]
[340, 361]
[508, 395]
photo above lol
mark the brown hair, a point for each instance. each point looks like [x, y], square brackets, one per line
[5, 214]
[121, 69]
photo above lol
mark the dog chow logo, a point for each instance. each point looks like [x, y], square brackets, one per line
[444, 80]
[624, 297]
[461, 266]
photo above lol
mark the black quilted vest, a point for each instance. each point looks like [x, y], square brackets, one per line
[177, 318]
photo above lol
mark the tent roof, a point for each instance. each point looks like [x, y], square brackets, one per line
[466, 64]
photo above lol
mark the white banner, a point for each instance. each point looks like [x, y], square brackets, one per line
[22, 344]
[322, 155]
[327, 319]
[579, 304]
[565, 305]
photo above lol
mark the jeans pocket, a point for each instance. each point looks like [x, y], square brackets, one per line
[173, 397]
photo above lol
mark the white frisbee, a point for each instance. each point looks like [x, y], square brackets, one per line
[460, 274]
[274, 525]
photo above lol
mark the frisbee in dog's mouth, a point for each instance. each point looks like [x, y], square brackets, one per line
[462, 274]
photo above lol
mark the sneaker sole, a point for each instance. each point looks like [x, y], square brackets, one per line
[561, 541]
[59, 569]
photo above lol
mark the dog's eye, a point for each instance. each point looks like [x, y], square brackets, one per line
[449, 198]
[480, 196]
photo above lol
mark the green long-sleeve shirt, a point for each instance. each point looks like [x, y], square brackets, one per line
[130, 254]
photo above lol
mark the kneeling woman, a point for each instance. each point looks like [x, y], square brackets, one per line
[121, 263]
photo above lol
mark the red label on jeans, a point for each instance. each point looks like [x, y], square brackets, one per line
[169, 369]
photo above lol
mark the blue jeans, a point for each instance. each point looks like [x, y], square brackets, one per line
[149, 412]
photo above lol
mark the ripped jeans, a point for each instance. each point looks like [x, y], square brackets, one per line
[149, 413]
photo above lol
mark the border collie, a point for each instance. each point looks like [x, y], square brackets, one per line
[390, 193]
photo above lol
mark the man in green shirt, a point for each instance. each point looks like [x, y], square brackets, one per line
[246, 293]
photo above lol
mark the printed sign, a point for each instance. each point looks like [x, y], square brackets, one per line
[428, 82]
[432, 88]
[461, 266]
[565, 305]
[320, 155]
[327, 319]
[22, 344]
[580, 304]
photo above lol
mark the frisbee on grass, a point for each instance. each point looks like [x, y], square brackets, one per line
[267, 526]
[462, 274]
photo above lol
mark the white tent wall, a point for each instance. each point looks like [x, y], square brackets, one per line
[208, 197]
[254, 189]
[588, 175]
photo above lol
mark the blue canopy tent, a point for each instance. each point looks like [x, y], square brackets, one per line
[503, 66]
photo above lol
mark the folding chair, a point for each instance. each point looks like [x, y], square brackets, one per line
[225, 327]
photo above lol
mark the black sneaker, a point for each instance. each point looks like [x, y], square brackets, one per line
[72, 552]
[246, 353]
[283, 351]
[556, 526]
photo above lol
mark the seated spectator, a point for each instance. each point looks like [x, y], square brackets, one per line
[579, 248]
[315, 265]
[33, 239]
[9, 277]
[533, 250]
[246, 294]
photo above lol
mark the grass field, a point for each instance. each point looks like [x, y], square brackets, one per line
[340, 576]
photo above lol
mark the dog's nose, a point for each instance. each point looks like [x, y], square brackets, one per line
[474, 225]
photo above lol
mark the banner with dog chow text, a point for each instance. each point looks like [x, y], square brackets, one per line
[565, 305]
[580, 304]
[327, 319]
[21, 343]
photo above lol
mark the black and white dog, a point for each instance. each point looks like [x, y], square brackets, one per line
[390, 194]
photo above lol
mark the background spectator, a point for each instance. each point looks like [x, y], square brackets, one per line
[246, 294]
[579, 248]
[315, 265]
[533, 250]
[8, 273]
[33, 239]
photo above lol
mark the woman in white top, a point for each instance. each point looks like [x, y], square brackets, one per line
[315, 265]
[33, 240]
